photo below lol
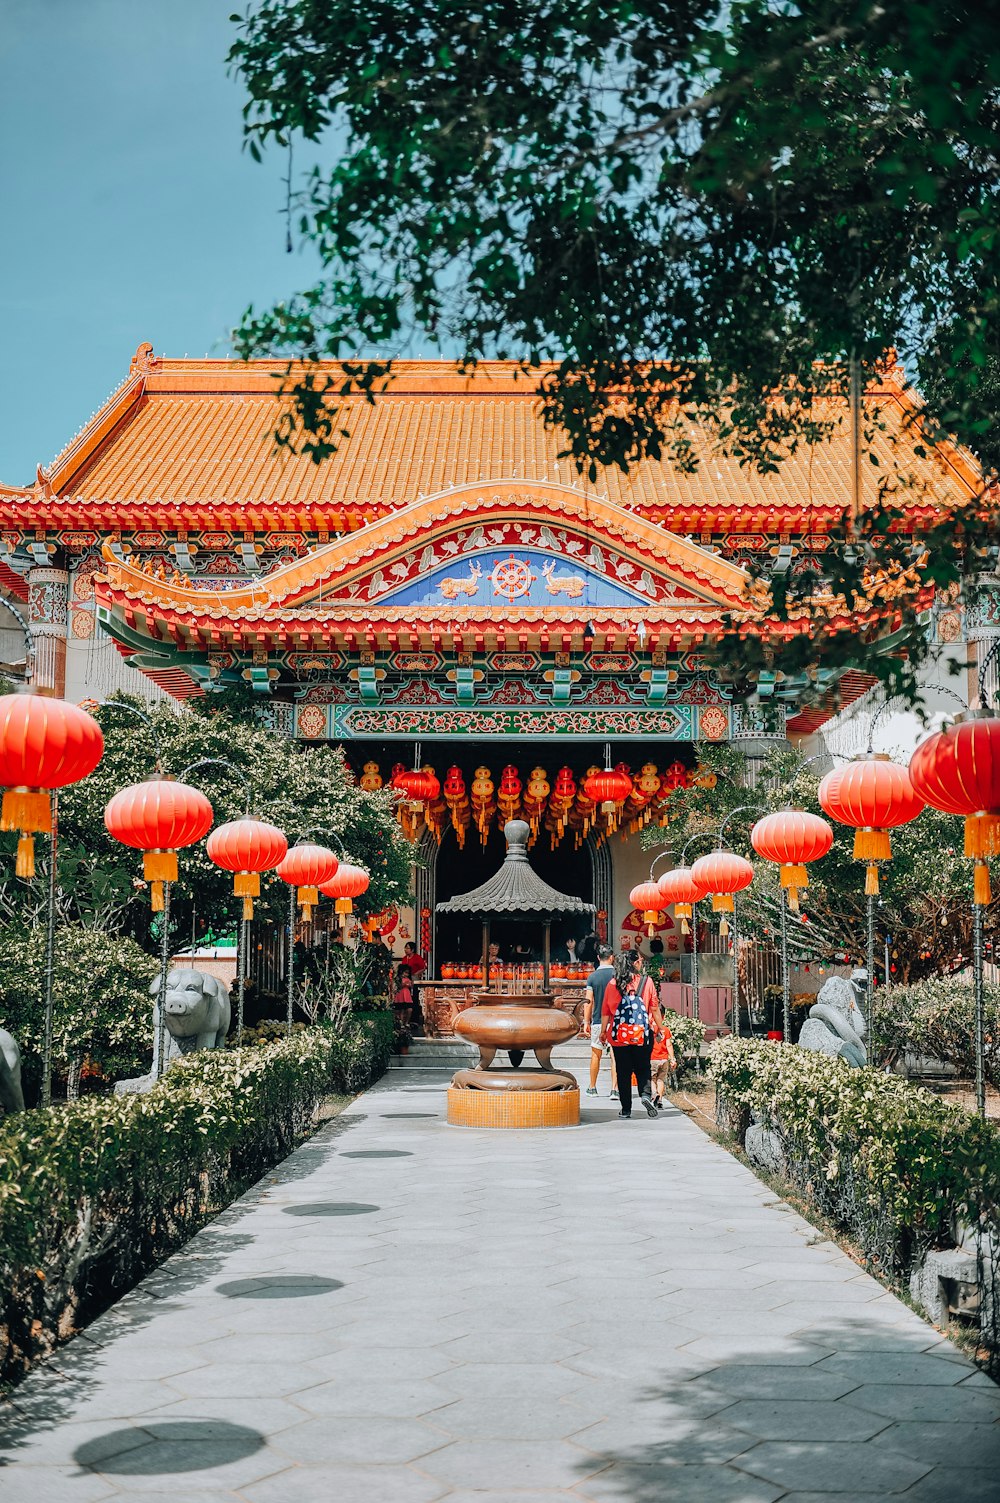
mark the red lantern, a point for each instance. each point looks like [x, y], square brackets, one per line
[678, 887]
[610, 789]
[791, 838]
[349, 883]
[44, 744]
[957, 770]
[306, 867]
[722, 873]
[247, 847]
[158, 818]
[648, 900]
[417, 786]
[872, 795]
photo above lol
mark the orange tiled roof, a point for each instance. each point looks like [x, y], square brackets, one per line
[190, 443]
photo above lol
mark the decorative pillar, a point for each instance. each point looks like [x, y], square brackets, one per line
[48, 605]
[759, 733]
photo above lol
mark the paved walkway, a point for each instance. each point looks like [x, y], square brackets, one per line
[405, 1311]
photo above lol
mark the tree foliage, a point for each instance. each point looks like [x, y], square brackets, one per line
[703, 216]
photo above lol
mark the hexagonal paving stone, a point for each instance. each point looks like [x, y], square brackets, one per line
[481, 1379]
[509, 1417]
[504, 1465]
[628, 1482]
[802, 1419]
[521, 1346]
[901, 1401]
[402, 1399]
[753, 1381]
[891, 1367]
[353, 1484]
[832, 1466]
[947, 1445]
[54, 1484]
[336, 1438]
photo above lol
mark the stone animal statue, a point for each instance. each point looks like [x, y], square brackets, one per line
[11, 1095]
[197, 1016]
[836, 1024]
[197, 1010]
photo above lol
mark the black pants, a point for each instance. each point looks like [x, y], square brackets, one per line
[631, 1059]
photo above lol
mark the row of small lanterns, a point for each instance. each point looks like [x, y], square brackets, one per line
[955, 770]
[47, 744]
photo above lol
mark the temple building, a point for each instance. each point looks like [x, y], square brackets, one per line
[444, 591]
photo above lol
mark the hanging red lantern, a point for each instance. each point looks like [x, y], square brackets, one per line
[872, 795]
[791, 838]
[306, 867]
[348, 883]
[418, 787]
[247, 847]
[679, 888]
[722, 873]
[648, 900]
[957, 770]
[609, 789]
[44, 744]
[158, 818]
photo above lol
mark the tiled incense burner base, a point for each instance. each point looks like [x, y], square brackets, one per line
[511, 1109]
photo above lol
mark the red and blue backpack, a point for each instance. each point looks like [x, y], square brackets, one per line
[630, 1024]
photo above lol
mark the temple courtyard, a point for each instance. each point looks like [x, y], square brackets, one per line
[403, 1311]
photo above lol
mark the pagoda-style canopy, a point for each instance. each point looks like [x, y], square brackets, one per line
[516, 892]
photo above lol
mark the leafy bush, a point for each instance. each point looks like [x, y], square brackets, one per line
[102, 1012]
[688, 1036]
[888, 1161]
[94, 1192]
[936, 1019]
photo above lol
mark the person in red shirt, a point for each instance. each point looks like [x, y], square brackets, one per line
[663, 1066]
[632, 1055]
[414, 963]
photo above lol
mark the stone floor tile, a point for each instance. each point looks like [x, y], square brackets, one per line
[895, 1367]
[917, 1403]
[832, 1466]
[336, 1438]
[950, 1444]
[481, 1465]
[944, 1485]
[802, 1419]
[348, 1484]
[628, 1482]
[53, 1484]
[417, 1398]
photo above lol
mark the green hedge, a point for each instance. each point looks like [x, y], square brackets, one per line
[93, 1193]
[891, 1161]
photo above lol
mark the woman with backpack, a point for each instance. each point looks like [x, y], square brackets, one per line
[630, 1018]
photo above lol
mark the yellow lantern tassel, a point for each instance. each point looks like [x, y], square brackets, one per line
[26, 809]
[156, 897]
[685, 926]
[722, 902]
[343, 905]
[794, 876]
[724, 927]
[248, 908]
[872, 845]
[25, 864]
[159, 866]
[308, 898]
[246, 885]
[793, 899]
[982, 835]
[871, 881]
[981, 893]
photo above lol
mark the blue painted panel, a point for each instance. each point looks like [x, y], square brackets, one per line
[519, 576]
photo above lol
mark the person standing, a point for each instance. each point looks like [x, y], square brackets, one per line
[596, 983]
[416, 965]
[630, 1018]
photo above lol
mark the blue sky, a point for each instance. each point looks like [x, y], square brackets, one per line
[128, 210]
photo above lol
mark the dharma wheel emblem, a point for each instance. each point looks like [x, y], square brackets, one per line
[512, 577]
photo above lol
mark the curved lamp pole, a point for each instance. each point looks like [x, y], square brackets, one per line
[695, 987]
[241, 933]
[734, 926]
[290, 922]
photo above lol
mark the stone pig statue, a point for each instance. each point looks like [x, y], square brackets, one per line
[11, 1095]
[198, 1011]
